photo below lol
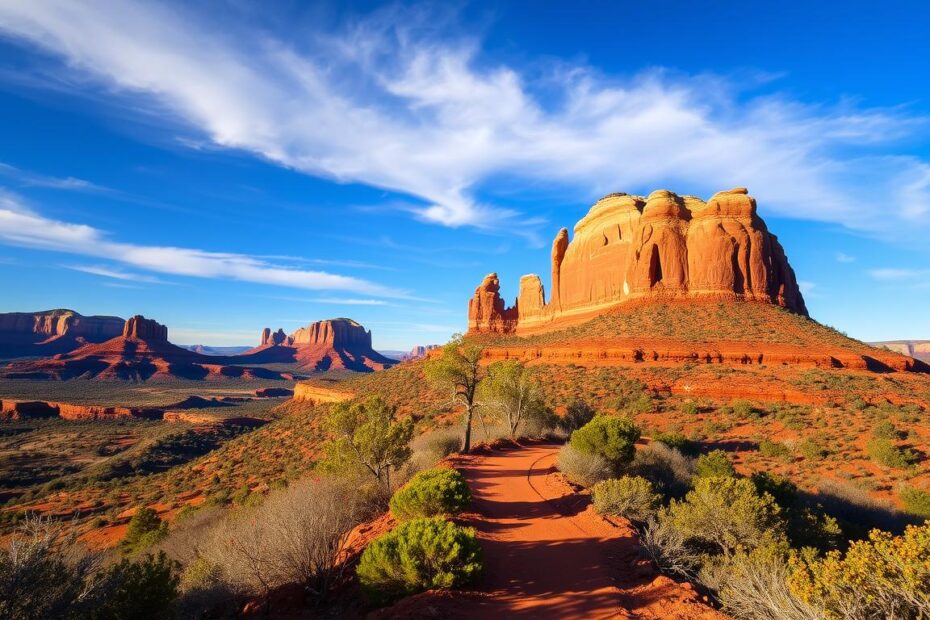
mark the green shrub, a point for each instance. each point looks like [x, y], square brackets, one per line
[145, 588]
[811, 450]
[916, 501]
[611, 438]
[431, 493]
[419, 555]
[632, 497]
[728, 513]
[774, 449]
[577, 414]
[885, 452]
[689, 408]
[676, 441]
[743, 409]
[885, 429]
[144, 530]
[714, 464]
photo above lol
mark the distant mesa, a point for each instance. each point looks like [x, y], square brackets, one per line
[332, 344]
[206, 349]
[418, 352]
[661, 247]
[48, 332]
[919, 349]
[141, 351]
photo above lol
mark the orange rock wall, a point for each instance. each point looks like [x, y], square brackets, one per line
[664, 246]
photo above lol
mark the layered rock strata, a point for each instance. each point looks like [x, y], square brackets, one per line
[323, 345]
[664, 247]
[53, 331]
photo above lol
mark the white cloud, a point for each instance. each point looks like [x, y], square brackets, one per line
[22, 227]
[842, 257]
[347, 301]
[31, 179]
[898, 275]
[116, 274]
[428, 115]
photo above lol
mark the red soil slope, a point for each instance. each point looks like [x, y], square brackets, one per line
[548, 555]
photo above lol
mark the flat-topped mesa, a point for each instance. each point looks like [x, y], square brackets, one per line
[141, 328]
[51, 323]
[662, 247]
[337, 333]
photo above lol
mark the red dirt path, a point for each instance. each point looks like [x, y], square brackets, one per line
[548, 554]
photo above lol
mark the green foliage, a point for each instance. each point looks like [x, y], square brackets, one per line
[676, 441]
[144, 530]
[612, 438]
[744, 410]
[774, 449]
[714, 464]
[458, 369]
[367, 435]
[511, 394]
[811, 450]
[145, 588]
[807, 526]
[689, 408]
[419, 555]
[885, 452]
[885, 429]
[577, 414]
[632, 497]
[916, 501]
[431, 493]
[728, 514]
[883, 577]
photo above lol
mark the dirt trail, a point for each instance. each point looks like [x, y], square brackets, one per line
[548, 554]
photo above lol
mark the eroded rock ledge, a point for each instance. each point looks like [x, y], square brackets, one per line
[663, 246]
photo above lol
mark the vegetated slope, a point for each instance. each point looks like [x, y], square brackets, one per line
[699, 331]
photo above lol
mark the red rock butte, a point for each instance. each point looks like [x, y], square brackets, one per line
[662, 247]
[323, 345]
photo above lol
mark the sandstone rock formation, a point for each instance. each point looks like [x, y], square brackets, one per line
[914, 348]
[53, 331]
[142, 328]
[323, 345]
[418, 352]
[140, 352]
[663, 246]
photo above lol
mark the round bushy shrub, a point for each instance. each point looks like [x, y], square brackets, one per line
[714, 464]
[430, 493]
[418, 555]
[612, 438]
[582, 468]
[632, 497]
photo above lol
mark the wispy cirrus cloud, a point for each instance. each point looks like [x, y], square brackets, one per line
[32, 179]
[21, 226]
[116, 274]
[426, 113]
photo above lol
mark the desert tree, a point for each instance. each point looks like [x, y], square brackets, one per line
[512, 394]
[369, 436]
[458, 368]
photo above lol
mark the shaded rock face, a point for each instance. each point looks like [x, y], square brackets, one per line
[272, 338]
[142, 328]
[418, 352]
[324, 345]
[53, 331]
[663, 246]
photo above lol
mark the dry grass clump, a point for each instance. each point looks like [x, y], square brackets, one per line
[582, 468]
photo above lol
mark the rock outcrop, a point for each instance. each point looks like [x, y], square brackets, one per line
[53, 331]
[418, 352]
[323, 345]
[663, 246]
[141, 328]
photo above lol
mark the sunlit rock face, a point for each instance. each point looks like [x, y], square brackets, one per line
[662, 247]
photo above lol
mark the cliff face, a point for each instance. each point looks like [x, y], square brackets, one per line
[323, 345]
[663, 246]
[53, 331]
[141, 328]
[339, 333]
[59, 323]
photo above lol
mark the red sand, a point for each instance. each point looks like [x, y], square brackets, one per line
[548, 554]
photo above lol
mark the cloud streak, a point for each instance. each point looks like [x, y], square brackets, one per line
[22, 227]
[426, 114]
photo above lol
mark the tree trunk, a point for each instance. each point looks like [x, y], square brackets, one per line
[466, 445]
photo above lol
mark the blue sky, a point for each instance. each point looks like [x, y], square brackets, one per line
[240, 165]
